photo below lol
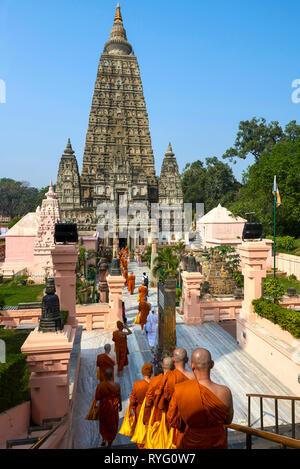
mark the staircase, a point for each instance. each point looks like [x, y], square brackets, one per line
[34, 435]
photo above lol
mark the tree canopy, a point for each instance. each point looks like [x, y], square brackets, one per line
[256, 193]
[210, 183]
[256, 136]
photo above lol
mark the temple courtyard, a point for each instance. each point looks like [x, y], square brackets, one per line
[233, 367]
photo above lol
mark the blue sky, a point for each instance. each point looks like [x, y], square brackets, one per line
[204, 65]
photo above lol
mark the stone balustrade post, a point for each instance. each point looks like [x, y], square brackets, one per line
[64, 257]
[253, 256]
[116, 284]
[48, 358]
[190, 301]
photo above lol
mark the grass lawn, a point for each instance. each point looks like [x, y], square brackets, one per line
[290, 284]
[15, 294]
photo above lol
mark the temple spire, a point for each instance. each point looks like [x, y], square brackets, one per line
[117, 43]
[169, 151]
[118, 16]
[69, 150]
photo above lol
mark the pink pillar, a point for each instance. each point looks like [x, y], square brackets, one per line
[64, 259]
[115, 285]
[191, 282]
[253, 256]
[48, 358]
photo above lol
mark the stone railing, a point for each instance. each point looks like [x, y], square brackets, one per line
[217, 310]
[289, 264]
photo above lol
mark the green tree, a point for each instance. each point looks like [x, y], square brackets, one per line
[13, 222]
[256, 137]
[210, 183]
[256, 193]
[166, 263]
[273, 289]
[16, 198]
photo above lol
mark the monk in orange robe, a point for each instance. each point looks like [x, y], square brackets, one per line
[138, 392]
[104, 361]
[167, 387]
[131, 283]
[125, 275]
[109, 395]
[201, 407]
[121, 349]
[142, 290]
[154, 385]
[144, 309]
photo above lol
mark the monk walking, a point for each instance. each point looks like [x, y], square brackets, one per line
[142, 290]
[166, 390]
[144, 309]
[202, 406]
[131, 283]
[105, 361]
[109, 395]
[138, 394]
[125, 275]
[155, 383]
[121, 349]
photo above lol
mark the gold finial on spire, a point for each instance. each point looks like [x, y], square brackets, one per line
[118, 16]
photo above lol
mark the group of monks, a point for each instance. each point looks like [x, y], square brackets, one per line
[177, 409]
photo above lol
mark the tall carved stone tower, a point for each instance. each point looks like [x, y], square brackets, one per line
[118, 162]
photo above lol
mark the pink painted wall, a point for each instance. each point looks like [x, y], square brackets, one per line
[14, 423]
[283, 365]
[20, 249]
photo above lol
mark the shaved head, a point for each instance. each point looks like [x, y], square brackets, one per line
[201, 359]
[107, 348]
[108, 373]
[180, 355]
[167, 364]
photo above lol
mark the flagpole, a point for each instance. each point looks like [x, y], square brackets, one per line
[274, 244]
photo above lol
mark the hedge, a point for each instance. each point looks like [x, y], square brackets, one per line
[14, 382]
[14, 374]
[287, 319]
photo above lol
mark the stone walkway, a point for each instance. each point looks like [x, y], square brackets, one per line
[233, 367]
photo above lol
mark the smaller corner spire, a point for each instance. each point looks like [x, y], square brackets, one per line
[118, 16]
[69, 149]
[169, 150]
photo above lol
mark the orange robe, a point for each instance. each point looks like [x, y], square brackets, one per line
[136, 399]
[202, 413]
[125, 275]
[121, 350]
[164, 396]
[153, 387]
[103, 363]
[131, 283]
[109, 398]
[144, 309]
[142, 292]
[137, 396]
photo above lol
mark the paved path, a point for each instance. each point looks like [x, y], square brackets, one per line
[233, 367]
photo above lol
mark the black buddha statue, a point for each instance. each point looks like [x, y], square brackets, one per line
[51, 320]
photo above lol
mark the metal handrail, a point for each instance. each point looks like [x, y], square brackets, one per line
[49, 433]
[283, 441]
[292, 399]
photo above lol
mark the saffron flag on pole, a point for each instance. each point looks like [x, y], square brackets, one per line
[276, 194]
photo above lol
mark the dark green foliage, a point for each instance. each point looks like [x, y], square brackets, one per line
[286, 318]
[64, 315]
[256, 193]
[273, 288]
[210, 184]
[284, 243]
[13, 222]
[2, 301]
[14, 374]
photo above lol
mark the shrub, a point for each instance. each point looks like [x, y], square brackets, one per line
[284, 243]
[292, 277]
[2, 301]
[14, 374]
[273, 288]
[64, 315]
[287, 319]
